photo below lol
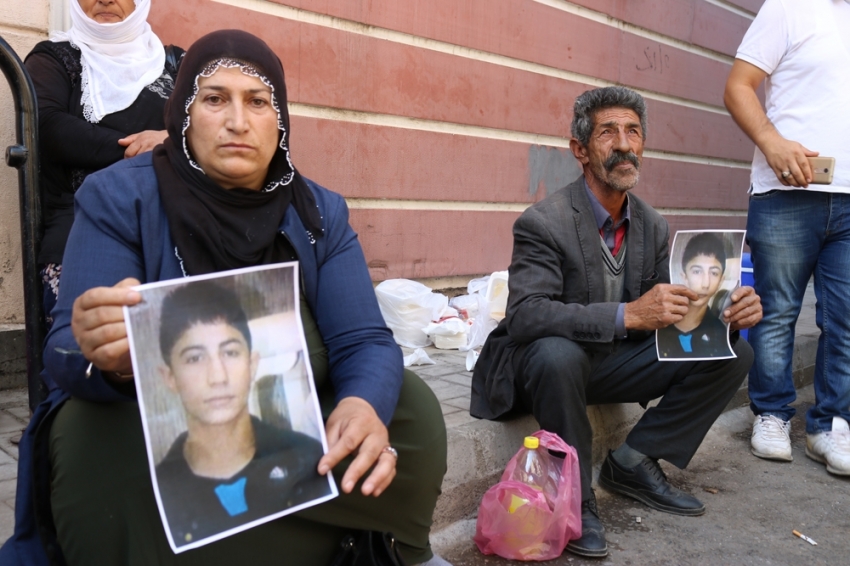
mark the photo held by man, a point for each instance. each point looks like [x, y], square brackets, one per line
[589, 286]
[702, 333]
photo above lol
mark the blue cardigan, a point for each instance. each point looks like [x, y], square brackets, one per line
[120, 230]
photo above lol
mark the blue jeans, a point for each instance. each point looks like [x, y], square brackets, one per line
[793, 234]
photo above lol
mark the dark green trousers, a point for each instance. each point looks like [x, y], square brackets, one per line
[106, 513]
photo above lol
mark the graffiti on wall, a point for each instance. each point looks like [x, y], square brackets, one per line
[655, 60]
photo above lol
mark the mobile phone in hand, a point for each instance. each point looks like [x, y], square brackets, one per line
[822, 170]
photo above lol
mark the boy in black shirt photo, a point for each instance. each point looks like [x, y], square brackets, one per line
[702, 333]
[228, 468]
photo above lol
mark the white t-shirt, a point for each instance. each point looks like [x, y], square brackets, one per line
[804, 47]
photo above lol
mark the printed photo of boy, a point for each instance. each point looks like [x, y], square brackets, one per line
[704, 262]
[227, 468]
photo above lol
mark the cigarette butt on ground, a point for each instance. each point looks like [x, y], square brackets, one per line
[804, 537]
[710, 490]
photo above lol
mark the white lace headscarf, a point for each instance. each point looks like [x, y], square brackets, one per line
[119, 59]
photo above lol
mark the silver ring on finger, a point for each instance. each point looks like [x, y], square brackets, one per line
[391, 451]
[786, 174]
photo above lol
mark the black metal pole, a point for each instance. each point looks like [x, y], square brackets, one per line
[24, 157]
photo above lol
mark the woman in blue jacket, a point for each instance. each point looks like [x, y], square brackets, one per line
[222, 193]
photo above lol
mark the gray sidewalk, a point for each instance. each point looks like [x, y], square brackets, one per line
[478, 450]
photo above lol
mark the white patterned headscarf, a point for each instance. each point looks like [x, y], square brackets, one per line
[118, 60]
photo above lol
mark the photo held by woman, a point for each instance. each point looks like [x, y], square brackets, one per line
[221, 193]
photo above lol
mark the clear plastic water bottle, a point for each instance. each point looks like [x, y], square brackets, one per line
[537, 469]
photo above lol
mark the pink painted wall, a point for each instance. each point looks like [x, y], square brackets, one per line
[347, 71]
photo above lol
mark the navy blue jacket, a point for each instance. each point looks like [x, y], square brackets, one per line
[120, 230]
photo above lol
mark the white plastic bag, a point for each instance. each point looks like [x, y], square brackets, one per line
[418, 357]
[448, 334]
[466, 306]
[477, 285]
[497, 295]
[492, 295]
[471, 360]
[481, 328]
[408, 307]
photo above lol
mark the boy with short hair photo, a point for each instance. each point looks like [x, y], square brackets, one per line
[228, 468]
[701, 333]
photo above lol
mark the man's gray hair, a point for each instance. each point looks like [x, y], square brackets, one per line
[590, 101]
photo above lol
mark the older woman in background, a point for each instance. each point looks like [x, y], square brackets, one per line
[101, 89]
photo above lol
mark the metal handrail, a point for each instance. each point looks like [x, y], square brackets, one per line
[24, 157]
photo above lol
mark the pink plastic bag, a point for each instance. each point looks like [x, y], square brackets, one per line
[516, 521]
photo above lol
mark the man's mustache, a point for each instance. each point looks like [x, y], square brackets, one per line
[618, 157]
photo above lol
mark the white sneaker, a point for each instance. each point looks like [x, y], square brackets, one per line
[771, 438]
[831, 448]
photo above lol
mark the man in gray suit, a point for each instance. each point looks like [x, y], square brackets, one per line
[589, 284]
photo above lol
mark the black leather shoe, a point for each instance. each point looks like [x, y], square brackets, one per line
[592, 542]
[647, 483]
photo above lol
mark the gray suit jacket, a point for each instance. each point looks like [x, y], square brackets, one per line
[557, 289]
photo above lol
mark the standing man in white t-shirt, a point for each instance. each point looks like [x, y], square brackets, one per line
[800, 49]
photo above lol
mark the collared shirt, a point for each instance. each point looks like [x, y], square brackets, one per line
[613, 235]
